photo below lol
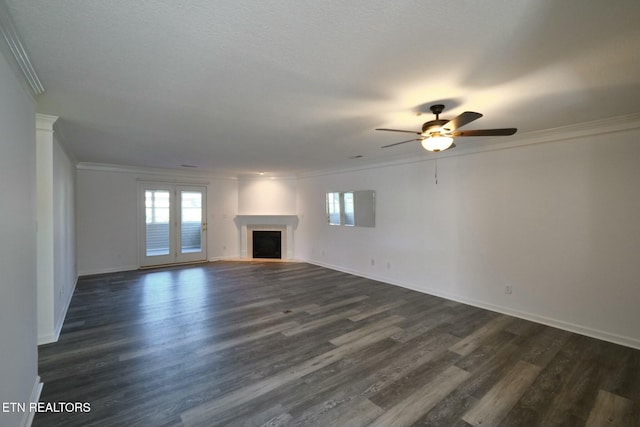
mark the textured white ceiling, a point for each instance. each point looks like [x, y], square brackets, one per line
[238, 86]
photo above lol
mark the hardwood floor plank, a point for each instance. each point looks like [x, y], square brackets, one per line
[472, 341]
[611, 410]
[421, 319]
[281, 420]
[490, 369]
[449, 411]
[492, 408]
[377, 310]
[366, 330]
[404, 386]
[318, 323]
[574, 398]
[422, 400]
[221, 345]
[542, 344]
[337, 304]
[358, 414]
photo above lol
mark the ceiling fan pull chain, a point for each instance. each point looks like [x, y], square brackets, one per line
[436, 172]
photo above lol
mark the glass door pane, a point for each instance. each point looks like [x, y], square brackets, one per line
[157, 220]
[191, 222]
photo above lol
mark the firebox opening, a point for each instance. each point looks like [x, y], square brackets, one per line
[267, 244]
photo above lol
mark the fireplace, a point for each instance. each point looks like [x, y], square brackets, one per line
[284, 224]
[267, 244]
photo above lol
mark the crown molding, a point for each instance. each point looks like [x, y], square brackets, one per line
[106, 167]
[267, 178]
[17, 51]
[576, 131]
[570, 132]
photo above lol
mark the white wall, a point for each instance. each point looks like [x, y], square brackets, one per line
[64, 236]
[557, 221]
[222, 208]
[56, 242]
[45, 257]
[106, 217]
[18, 326]
[267, 196]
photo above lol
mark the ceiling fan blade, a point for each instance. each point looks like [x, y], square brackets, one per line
[401, 142]
[462, 120]
[398, 130]
[486, 132]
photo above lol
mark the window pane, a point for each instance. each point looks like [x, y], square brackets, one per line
[333, 208]
[349, 213]
[161, 199]
[157, 222]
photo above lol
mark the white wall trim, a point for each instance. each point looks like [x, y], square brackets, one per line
[105, 167]
[45, 122]
[27, 418]
[19, 56]
[177, 181]
[223, 258]
[107, 270]
[48, 338]
[55, 335]
[560, 324]
[65, 309]
[268, 178]
[570, 132]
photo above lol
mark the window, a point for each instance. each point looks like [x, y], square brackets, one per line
[352, 208]
[333, 208]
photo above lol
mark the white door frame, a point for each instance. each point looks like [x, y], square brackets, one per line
[175, 254]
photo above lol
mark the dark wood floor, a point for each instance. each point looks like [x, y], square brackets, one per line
[291, 344]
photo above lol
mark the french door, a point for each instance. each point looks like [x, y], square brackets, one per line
[172, 224]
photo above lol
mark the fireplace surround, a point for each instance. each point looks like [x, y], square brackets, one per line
[250, 223]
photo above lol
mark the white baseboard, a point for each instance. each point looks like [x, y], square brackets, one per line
[27, 418]
[107, 270]
[556, 323]
[55, 334]
[48, 338]
[222, 258]
[65, 308]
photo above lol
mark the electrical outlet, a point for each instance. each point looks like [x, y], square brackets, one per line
[373, 262]
[508, 289]
[388, 265]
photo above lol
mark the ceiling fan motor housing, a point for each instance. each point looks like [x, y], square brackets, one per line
[432, 125]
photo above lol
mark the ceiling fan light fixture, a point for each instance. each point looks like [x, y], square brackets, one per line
[437, 143]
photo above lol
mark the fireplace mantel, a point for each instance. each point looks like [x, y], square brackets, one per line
[267, 219]
[286, 223]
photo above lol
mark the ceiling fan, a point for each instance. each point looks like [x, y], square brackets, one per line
[437, 135]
